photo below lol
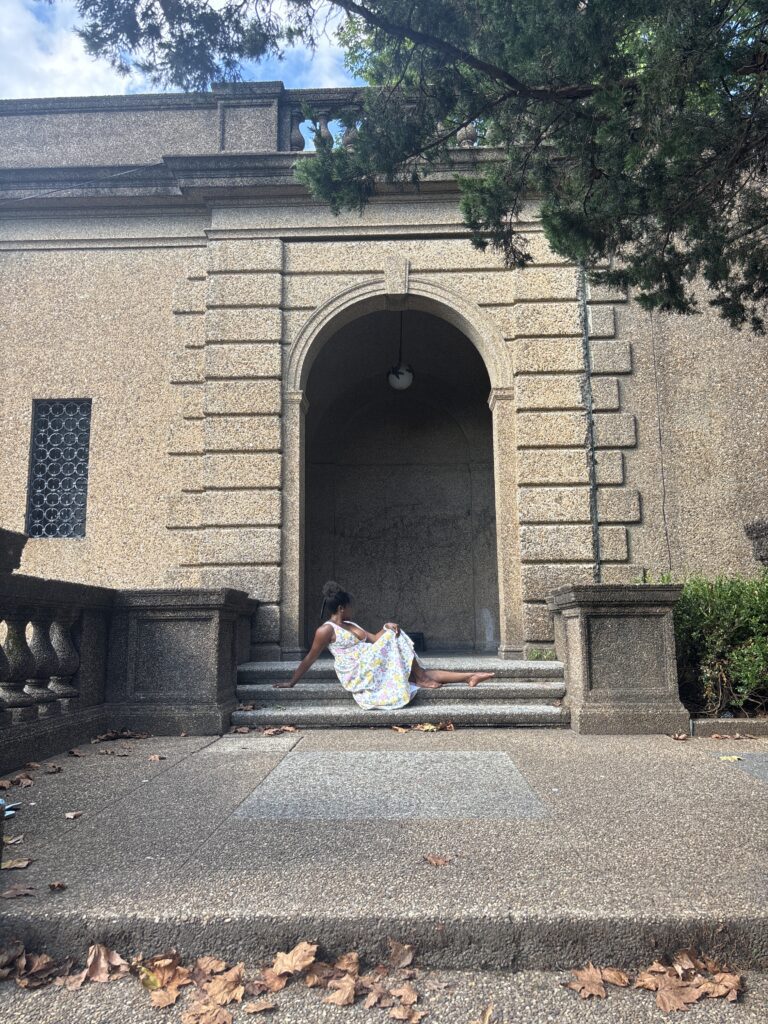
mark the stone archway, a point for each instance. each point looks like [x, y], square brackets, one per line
[399, 484]
[465, 319]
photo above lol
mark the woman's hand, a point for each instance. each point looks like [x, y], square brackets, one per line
[393, 626]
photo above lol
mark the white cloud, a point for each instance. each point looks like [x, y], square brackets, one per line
[40, 55]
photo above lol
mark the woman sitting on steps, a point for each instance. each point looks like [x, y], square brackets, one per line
[380, 670]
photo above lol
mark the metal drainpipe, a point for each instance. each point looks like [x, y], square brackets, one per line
[586, 394]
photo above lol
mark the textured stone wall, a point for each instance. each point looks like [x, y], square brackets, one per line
[83, 322]
[194, 332]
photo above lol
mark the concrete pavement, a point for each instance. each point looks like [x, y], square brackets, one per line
[562, 848]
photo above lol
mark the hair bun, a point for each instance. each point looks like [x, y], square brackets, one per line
[331, 589]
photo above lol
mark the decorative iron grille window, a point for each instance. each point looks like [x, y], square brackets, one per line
[58, 467]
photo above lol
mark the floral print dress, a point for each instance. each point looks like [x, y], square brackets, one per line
[376, 674]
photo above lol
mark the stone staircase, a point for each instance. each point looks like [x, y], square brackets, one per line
[524, 693]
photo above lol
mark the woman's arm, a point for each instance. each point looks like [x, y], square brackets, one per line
[323, 636]
[373, 637]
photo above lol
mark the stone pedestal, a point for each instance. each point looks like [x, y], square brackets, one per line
[11, 549]
[618, 647]
[757, 532]
[173, 658]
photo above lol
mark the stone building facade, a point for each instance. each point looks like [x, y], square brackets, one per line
[232, 340]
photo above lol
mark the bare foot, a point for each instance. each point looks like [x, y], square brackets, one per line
[480, 677]
[428, 684]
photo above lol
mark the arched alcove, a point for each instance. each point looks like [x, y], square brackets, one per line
[399, 490]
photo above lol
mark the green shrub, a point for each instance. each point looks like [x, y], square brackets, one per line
[721, 629]
[541, 654]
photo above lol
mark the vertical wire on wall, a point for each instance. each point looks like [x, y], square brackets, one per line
[662, 468]
[586, 394]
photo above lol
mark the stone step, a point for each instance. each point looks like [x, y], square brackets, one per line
[336, 715]
[271, 671]
[325, 691]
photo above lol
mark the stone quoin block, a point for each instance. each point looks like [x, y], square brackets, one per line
[188, 366]
[551, 429]
[189, 330]
[243, 324]
[615, 430]
[185, 437]
[552, 466]
[537, 623]
[263, 580]
[192, 401]
[254, 289]
[549, 391]
[241, 470]
[542, 355]
[553, 504]
[242, 433]
[243, 546]
[255, 507]
[233, 397]
[614, 544]
[602, 321]
[609, 467]
[539, 580]
[618, 505]
[611, 356]
[559, 543]
[245, 360]
[606, 396]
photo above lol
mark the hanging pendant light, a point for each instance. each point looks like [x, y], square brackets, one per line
[400, 376]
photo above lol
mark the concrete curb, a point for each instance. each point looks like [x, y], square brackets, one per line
[518, 942]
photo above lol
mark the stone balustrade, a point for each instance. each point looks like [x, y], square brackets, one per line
[76, 660]
[44, 625]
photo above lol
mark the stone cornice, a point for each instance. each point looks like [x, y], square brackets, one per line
[195, 178]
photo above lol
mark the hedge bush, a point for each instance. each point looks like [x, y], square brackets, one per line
[721, 629]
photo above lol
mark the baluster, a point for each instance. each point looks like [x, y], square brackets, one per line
[349, 137]
[297, 139]
[323, 116]
[5, 717]
[44, 664]
[466, 136]
[20, 664]
[68, 659]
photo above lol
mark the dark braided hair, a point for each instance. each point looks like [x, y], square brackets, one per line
[334, 597]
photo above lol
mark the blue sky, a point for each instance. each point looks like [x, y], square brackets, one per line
[40, 55]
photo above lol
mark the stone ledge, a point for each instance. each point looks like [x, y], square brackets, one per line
[728, 726]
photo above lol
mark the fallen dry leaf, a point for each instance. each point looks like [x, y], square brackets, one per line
[407, 1013]
[119, 734]
[674, 994]
[227, 987]
[400, 954]
[647, 980]
[204, 1012]
[614, 976]
[400, 728]
[16, 865]
[53, 769]
[205, 967]
[344, 994]
[34, 970]
[23, 779]
[298, 959]
[319, 974]
[407, 994]
[57, 886]
[276, 730]
[32, 765]
[15, 891]
[730, 757]
[75, 753]
[588, 982]
[680, 736]
[273, 982]
[73, 814]
[240, 729]
[104, 964]
[375, 997]
[5, 783]
[12, 840]
[349, 962]
[436, 860]
[262, 1006]
[157, 757]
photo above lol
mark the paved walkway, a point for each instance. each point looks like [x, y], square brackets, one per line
[562, 848]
